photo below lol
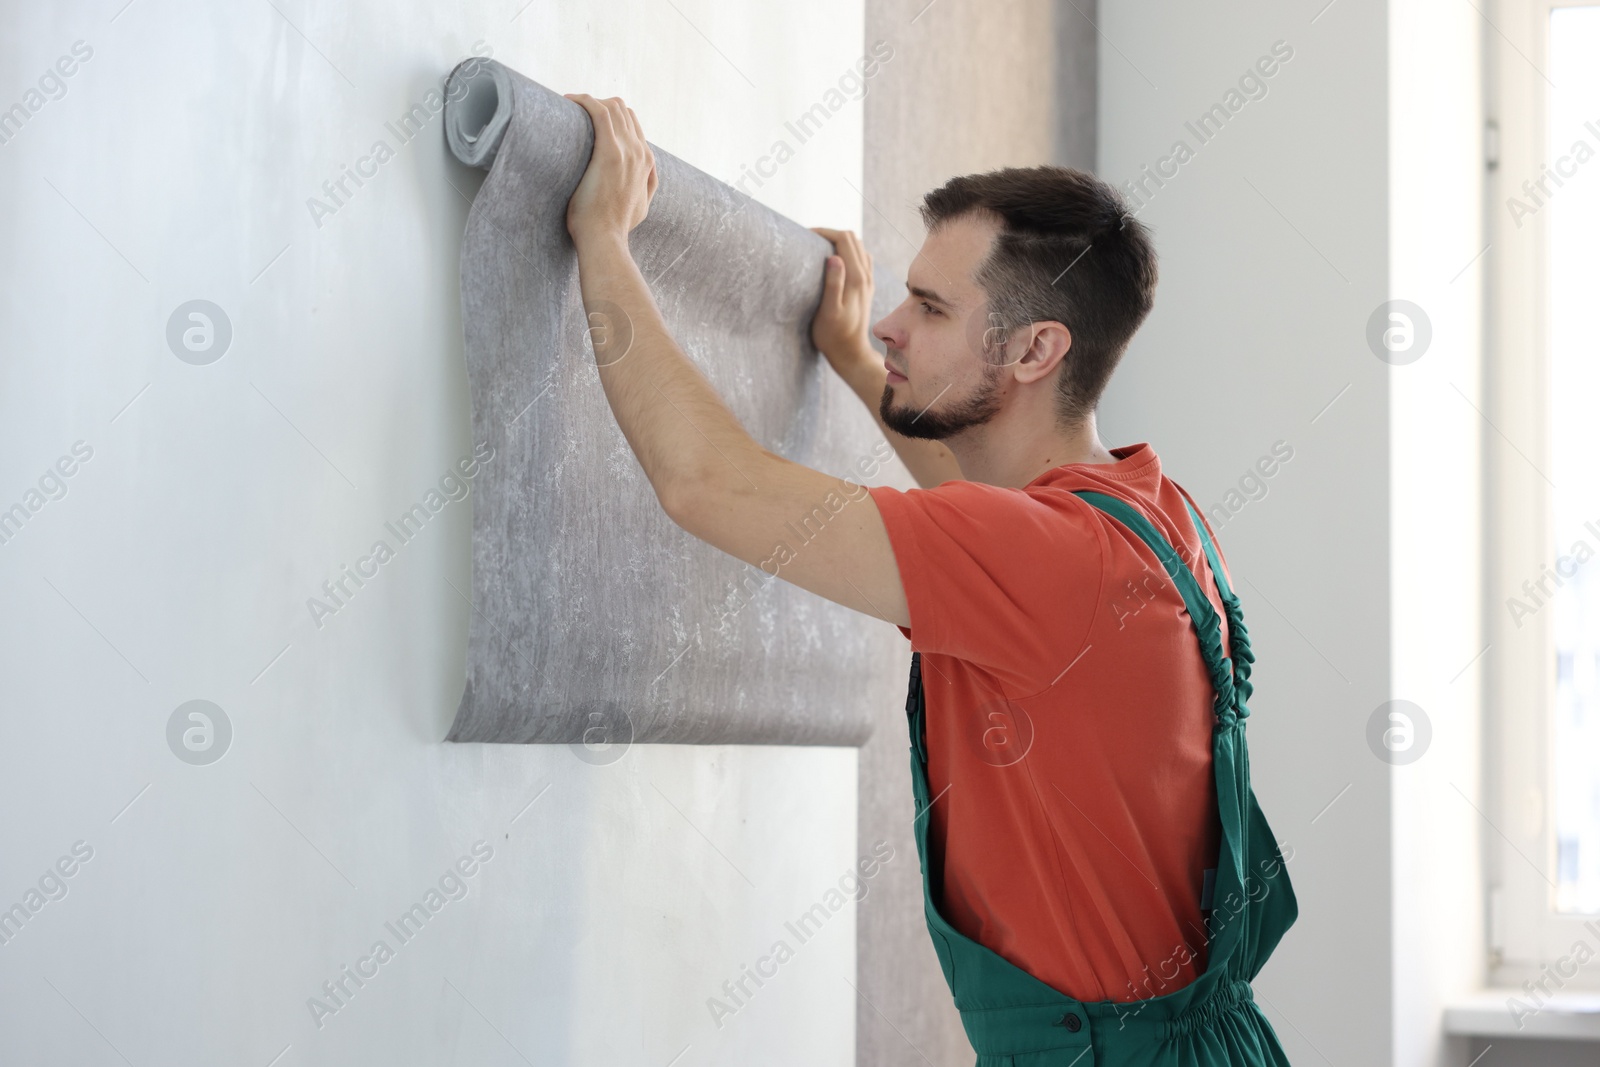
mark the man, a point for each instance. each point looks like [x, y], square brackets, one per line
[1097, 873]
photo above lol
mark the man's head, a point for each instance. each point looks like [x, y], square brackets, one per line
[1030, 279]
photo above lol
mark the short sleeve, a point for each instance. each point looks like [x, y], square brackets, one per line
[1005, 579]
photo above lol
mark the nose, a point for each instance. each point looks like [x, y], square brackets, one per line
[889, 331]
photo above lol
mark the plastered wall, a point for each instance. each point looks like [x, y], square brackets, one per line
[537, 903]
[972, 88]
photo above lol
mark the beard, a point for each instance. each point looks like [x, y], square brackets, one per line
[975, 410]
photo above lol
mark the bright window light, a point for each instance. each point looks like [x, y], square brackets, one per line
[1574, 337]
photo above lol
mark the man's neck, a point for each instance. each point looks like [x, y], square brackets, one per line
[991, 455]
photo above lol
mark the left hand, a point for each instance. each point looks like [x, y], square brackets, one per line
[840, 329]
[615, 193]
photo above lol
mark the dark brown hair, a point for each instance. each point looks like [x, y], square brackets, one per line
[1068, 251]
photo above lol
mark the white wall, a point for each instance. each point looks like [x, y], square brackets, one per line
[1436, 432]
[1274, 245]
[1357, 178]
[218, 498]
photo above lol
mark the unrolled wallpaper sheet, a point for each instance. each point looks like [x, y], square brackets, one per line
[595, 620]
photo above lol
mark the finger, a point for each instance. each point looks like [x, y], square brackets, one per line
[638, 131]
[619, 114]
[832, 236]
[587, 102]
[611, 106]
[851, 250]
[866, 263]
[599, 116]
[628, 123]
[857, 249]
[833, 281]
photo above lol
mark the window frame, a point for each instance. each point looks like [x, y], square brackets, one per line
[1526, 933]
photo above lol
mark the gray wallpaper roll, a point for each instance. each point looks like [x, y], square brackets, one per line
[595, 618]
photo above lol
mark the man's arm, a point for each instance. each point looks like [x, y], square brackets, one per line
[840, 332]
[711, 477]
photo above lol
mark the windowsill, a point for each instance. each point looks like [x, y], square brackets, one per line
[1564, 1016]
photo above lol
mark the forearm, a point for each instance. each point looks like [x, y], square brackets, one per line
[929, 462]
[673, 419]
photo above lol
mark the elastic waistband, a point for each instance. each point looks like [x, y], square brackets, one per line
[1068, 1024]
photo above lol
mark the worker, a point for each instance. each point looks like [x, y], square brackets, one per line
[1099, 881]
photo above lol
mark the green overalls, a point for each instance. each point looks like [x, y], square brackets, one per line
[1015, 1020]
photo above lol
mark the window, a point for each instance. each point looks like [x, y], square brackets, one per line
[1543, 467]
[1574, 285]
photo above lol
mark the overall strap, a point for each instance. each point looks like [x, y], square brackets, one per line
[1225, 680]
[1238, 634]
[1211, 553]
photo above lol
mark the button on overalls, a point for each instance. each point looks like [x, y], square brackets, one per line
[1015, 1020]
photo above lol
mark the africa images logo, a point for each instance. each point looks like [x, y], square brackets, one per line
[199, 332]
[1399, 732]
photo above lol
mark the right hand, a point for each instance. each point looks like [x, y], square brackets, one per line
[840, 327]
[620, 180]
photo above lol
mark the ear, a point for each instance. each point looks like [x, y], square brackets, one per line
[1048, 343]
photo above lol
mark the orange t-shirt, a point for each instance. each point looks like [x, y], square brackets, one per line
[1068, 715]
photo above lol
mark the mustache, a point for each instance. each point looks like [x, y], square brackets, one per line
[892, 357]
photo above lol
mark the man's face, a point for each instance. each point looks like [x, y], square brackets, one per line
[941, 381]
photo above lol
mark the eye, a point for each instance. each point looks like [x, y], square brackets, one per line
[929, 309]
